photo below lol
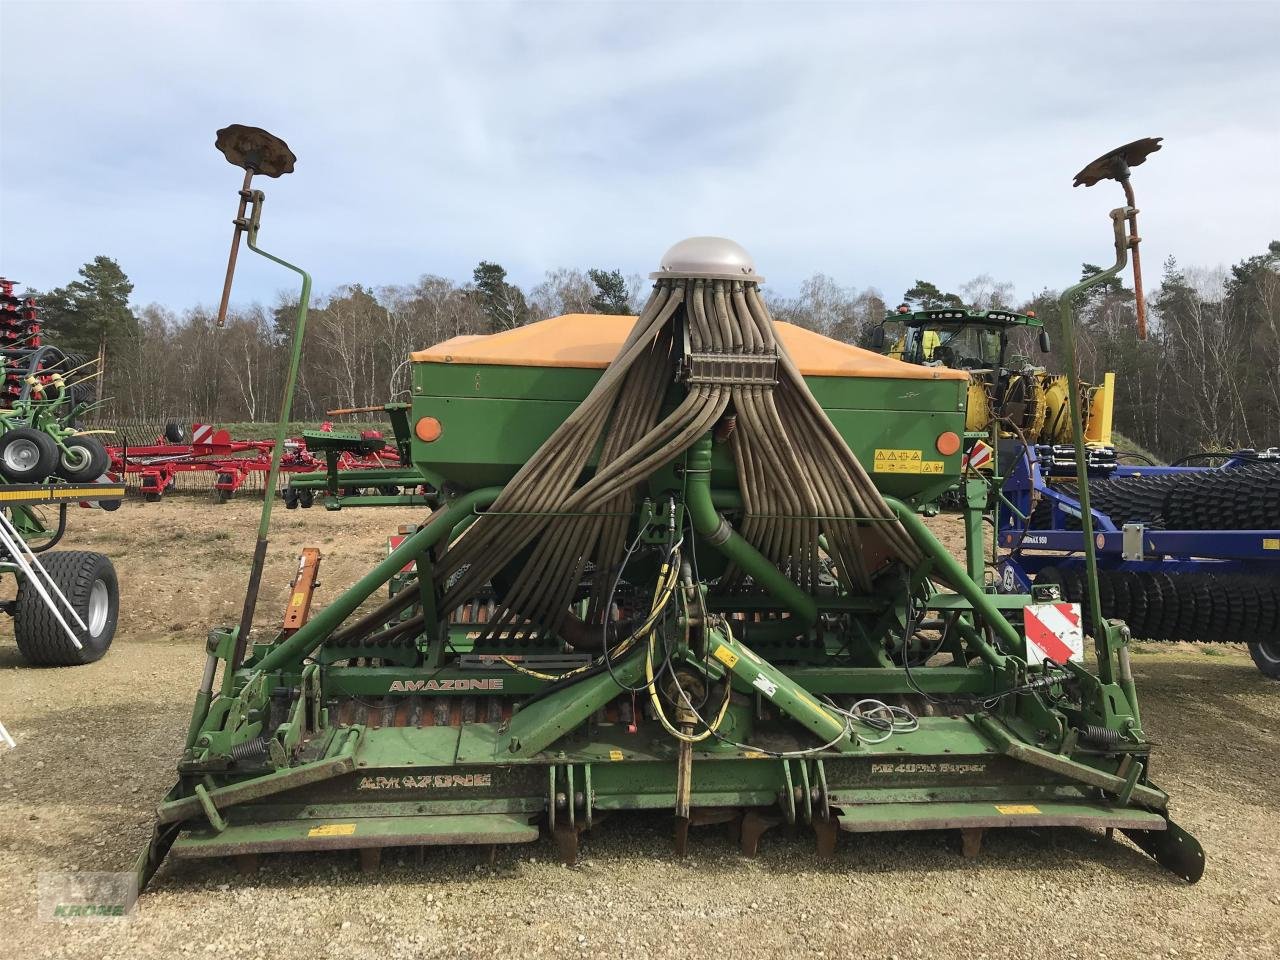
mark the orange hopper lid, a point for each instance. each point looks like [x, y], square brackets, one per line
[591, 341]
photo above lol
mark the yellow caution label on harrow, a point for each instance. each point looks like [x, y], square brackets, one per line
[1271, 543]
[1012, 809]
[725, 656]
[904, 461]
[615, 755]
[333, 830]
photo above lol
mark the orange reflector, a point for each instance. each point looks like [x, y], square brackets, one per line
[948, 443]
[428, 429]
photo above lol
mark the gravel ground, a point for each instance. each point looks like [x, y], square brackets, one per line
[97, 747]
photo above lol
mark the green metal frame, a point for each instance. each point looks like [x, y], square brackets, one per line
[406, 726]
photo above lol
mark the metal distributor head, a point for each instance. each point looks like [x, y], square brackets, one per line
[709, 258]
[1115, 165]
[257, 152]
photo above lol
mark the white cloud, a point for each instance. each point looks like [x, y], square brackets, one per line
[876, 143]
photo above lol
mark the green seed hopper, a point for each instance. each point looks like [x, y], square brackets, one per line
[678, 564]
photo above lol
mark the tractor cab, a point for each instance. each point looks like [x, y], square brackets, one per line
[959, 339]
[1008, 389]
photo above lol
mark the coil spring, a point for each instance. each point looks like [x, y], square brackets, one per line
[1102, 736]
[251, 751]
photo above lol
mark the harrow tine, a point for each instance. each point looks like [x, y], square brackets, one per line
[827, 832]
[681, 836]
[565, 835]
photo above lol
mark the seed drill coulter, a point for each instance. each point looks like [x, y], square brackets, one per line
[677, 564]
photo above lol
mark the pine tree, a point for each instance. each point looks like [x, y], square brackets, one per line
[926, 296]
[502, 303]
[611, 292]
[91, 315]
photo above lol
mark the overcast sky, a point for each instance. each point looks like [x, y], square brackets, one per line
[873, 142]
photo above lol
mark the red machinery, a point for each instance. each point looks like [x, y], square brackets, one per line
[233, 462]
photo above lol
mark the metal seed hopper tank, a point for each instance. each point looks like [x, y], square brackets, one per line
[677, 564]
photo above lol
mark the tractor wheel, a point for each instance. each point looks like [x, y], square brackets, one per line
[82, 460]
[1266, 655]
[88, 581]
[27, 455]
[174, 433]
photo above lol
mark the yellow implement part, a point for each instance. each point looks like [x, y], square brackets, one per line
[1097, 427]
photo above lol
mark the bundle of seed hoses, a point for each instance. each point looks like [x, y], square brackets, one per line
[798, 478]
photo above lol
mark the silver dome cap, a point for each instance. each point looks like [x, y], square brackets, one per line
[711, 258]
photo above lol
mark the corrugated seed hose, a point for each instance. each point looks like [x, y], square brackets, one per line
[798, 478]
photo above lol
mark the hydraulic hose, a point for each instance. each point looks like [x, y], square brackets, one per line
[709, 524]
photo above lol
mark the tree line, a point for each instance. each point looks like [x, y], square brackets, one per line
[1207, 377]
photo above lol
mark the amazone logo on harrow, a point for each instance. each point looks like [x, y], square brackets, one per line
[448, 683]
[1053, 632]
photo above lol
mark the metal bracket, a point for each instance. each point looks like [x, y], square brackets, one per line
[734, 369]
[1131, 541]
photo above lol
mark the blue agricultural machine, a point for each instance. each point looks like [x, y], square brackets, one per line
[1184, 552]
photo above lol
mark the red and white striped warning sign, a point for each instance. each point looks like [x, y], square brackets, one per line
[1053, 632]
[201, 433]
[978, 456]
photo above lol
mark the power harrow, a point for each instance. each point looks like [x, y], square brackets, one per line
[677, 563]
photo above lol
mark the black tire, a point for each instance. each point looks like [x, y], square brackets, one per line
[82, 460]
[151, 497]
[290, 497]
[1266, 656]
[80, 576]
[174, 433]
[306, 498]
[27, 455]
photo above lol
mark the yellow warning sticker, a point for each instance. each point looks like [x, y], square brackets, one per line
[615, 754]
[904, 461]
[1011, 809]
[725, 656]
[333, 830]
[754, 755]
[1271, 543]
